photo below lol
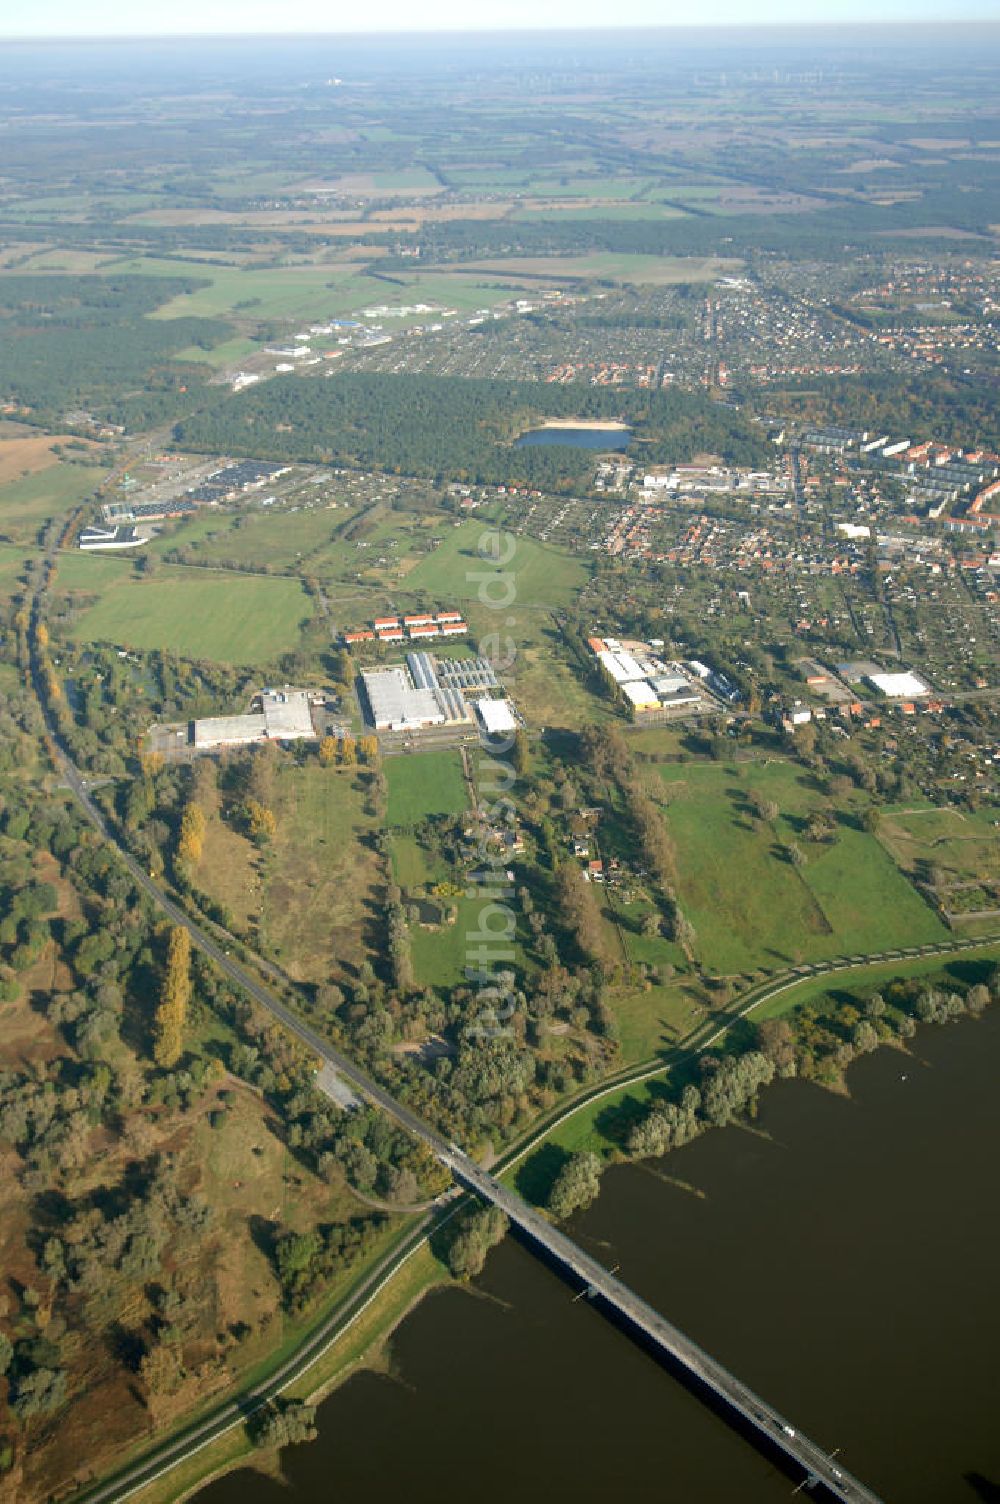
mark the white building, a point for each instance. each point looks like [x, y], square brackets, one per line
[284, 716]
[903, 686]
[496, 716]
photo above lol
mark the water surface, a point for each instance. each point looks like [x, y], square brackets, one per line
[576, 438]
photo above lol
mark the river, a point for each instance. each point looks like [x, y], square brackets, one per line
[840, 1256]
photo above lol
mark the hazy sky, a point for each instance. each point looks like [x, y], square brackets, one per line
[184, 17]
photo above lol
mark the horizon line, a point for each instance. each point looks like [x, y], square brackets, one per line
[862, 23]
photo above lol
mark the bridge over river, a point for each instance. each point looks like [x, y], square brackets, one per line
[822, 1471]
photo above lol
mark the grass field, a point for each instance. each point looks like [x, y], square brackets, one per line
[659, 271]
[456, 570]
[964, 847]
[12, 562]
[424, 783]
[320, 875]
[224, 618]
[27, 503]
[750, 907]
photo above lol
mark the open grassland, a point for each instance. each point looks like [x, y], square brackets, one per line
[27, 454]
[12, 563]
[548, 689]
[311, 291]
[749, 905]
[26, 504]
[197, 614]
[957, 845]
[321, 877]
[422, 784]
[253, 538]
[457, 570]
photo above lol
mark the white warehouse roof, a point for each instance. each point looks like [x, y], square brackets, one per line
[904, 686]
[496, 716]
[640, 693]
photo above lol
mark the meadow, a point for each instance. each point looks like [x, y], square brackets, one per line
[27, 504]
[422, 784]
[540, 575]
[958, 845]
[224, 618]
[320, 877]
[750, 906]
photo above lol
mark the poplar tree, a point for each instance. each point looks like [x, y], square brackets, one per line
[175, 995]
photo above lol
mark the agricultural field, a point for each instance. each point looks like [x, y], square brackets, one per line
[224, 618]
[750, 906]
[422, 784]
[652, 271]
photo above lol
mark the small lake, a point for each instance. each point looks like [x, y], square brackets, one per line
[576, 438]
[840, 1255]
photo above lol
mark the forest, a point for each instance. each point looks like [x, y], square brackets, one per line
[85, 341]
[450, 428]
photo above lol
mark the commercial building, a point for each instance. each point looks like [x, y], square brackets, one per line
[95, 537]
[496, 717]
[284, 716]
[901, 686]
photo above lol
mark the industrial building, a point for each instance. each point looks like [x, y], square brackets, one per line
[410, 698]
[644, 680]
[285, 715]
[124, 536]
[496, 717]
[901, 686]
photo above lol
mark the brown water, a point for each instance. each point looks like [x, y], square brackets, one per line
[841, 1258]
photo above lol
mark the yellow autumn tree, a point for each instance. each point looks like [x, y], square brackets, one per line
[42, 635]
[191, 841]
[260, 820]
[368, 747]
[348, 751]
[328, 750]
[175, 994]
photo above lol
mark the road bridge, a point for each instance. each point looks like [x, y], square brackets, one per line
[822, 1471]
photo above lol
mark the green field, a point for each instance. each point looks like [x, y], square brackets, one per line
[424, 783]
[197, 614]
[457, 570]
[750, 907]
[26, 504]
[962, 846]
[12, 562]
[660, 271]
